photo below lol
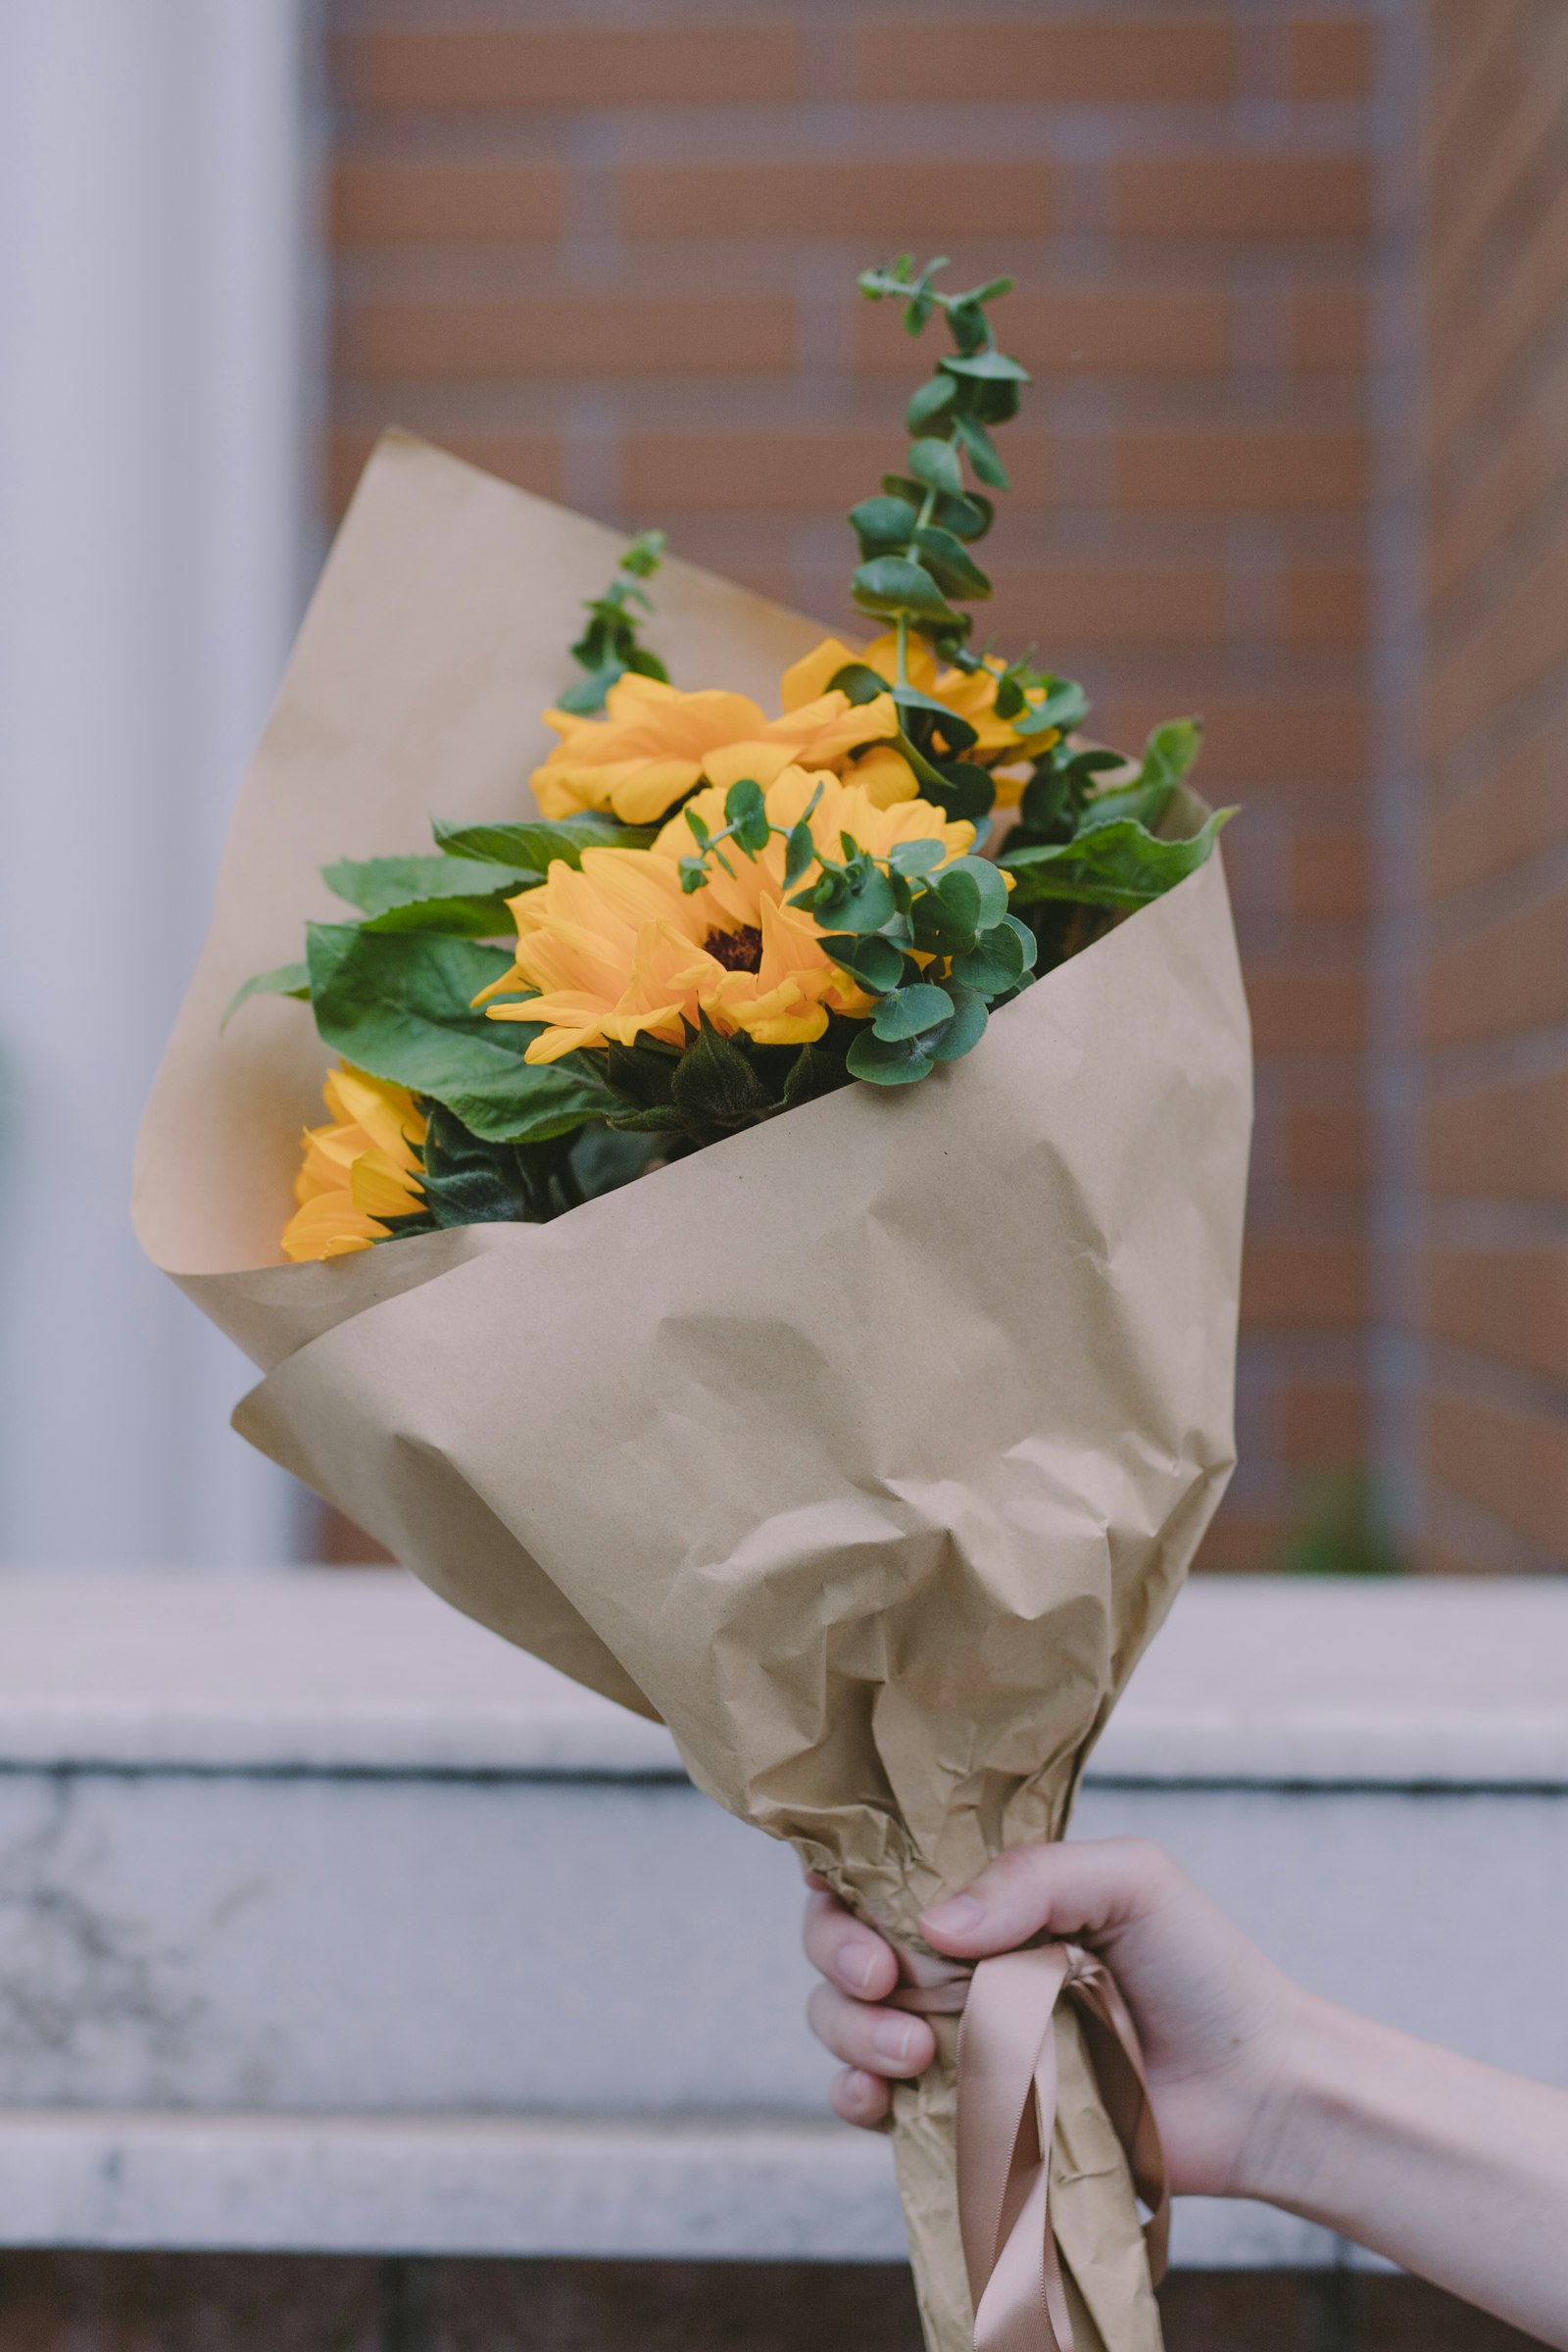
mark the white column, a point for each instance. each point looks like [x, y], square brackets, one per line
[156, 281]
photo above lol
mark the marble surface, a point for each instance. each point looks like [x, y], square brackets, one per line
[327, 1921]
[1266, 1679]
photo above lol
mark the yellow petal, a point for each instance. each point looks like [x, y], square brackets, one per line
[380, 1187]
[805, 680]
[885, 775]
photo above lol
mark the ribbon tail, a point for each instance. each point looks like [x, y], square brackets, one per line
[1007, 2117]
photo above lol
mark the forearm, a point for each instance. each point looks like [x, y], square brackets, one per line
[1456, 2172]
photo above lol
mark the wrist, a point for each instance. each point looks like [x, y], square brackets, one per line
[1309, 2105]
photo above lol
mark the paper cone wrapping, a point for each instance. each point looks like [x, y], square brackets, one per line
[868, 1447]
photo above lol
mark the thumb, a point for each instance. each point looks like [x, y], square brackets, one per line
[1087, 1890]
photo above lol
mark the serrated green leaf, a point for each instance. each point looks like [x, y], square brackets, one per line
[1169, 753]
[376, 885]
[1119, 865]
[462, 918]
[401, 1006]
[532, 845]
[285, 980]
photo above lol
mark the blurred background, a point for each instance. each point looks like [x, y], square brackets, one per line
[1292, 279]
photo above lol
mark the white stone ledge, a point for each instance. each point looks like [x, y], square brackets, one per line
[1265, 1682]
[680, 2190]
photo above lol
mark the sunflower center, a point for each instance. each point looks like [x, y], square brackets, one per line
[737, 950]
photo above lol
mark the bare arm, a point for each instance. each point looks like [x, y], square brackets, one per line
[1454, 2170]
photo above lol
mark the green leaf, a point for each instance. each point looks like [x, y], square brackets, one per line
[1120, 864]
[1064, 705]
[965, 1031]
[463, 918]
[980, 877]
[377, 885]
[860, 681]
[876, 963]
[643, 1073]
[880, 524]
[909, 1011]
[286, 980]
[1167, 756]
[886, 1062]
[936, 464]
[927, 401]
[991, 291]
[996, 961]
[969, 517]
[988, 367]
[714, 1080]
[893, 584]
[981, 452]
[800, 852]
[745, 813]
[957, 733]
[911, 858]
[533, 845]
[815, 1071]
[864, 901]
[949, 562]
[963, 791]
[399, 1005]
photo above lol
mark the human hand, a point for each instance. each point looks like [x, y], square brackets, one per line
[1215, 2017]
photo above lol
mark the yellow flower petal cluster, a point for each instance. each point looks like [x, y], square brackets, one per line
[655, 745]
[358, 1170]
[618, 950]
[969, 694]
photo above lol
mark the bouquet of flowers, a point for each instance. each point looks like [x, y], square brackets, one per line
[773, 1247]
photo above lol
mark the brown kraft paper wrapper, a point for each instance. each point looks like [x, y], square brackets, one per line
[867, 1448]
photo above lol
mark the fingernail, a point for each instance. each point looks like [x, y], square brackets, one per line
[858, 1966]
[894, 2039]
[951, 1917]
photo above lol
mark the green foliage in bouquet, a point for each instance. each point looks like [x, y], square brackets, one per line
[793, 931]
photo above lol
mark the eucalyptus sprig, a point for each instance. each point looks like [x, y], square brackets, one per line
[915, 539]
[609, 646]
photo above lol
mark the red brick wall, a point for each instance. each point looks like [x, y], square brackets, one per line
[1496, 1010]
[610, 252]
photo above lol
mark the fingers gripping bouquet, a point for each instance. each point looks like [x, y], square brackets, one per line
[772, 1246]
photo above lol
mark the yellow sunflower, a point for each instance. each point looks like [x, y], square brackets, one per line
[655, 745]
[969, 695]
[356, 1170]
[618, 950]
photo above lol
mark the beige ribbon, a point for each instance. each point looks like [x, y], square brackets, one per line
[1006, 2112]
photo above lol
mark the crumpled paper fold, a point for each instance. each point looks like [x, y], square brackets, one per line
[867, 1448]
